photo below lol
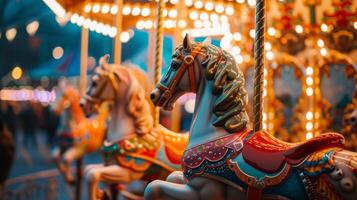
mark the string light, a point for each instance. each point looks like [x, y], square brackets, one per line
[173, 13]
[209, 6]
[299, 29]
[57, 52]
[105, 9]
[240, 1]
[267, 46]
[252, 3]
[146, 12]
[229, 10]
[114, 9]
[188, 2]
[271, 31]
[270, 55]
[320, 43]
[193, 15]
[309, 71]
[198, 4]
[252, 33]
[237, 36]
[309, 126]
[323, 51]
[96, 8]
[87, 8]
[182, 23]
[16, 73]
[308, 136]
[32, 28]
[136, 11]
[124, 37]
[309, 91]
[11, 34]
[309, 81]
[204, 16]
[219, 8]
[309, 115]
[324, 28]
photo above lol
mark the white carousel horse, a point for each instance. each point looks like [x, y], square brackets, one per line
[134, 148]
[78, 135]
[226, 160]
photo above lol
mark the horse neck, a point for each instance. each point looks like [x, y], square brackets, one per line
[202, 130]
[121, 123]
[76, 111]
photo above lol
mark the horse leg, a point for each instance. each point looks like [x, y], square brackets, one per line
[197, 188]
[109, 174]
[74, 153]
[176, 177]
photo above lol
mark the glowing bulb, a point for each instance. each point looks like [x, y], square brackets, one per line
[252, 3]
[237, 36]
[270, 55]
[320, 43]
[236, 50]
[308, 135]
[149, 24]
[204, 16]
[323, 51]
[113, 32]
[239, 59]
[190, 105]
[80, 21]
[267, 46]
[355, 24]
[309, 115]
[124, 37]
[229, 10]
[209, 6]
[173, 1]
[271, 31]
[145, 12]
[140, 24]
[57, 52]
[74, 18]
[214, 17]
[309, 71]
[240, 1]
[193, 15]
[252, 33]
[197, 24]
[188, 2]
[182, 23]
[219, 8]
[114, 9]
[198, 4]
[309, 81]
[309, 126]
[309, 91]
[87, 8]
[16, 73]
[173, 13]
[136, 11]
[11, 34]
[86, 23]
[105, 9]
[32, 27]
[299, 29]
[96, 8]
[324, 28]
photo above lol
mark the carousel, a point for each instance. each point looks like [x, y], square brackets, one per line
[255, 100]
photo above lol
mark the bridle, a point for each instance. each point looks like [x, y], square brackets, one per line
[188, 64]
[111, 78]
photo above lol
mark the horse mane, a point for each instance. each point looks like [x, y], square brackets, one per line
[229, 87]
[138, 101]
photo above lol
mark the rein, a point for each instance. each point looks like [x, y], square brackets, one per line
[111, 78]
[187, 65]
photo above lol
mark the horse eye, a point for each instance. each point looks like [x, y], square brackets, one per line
[175, 63]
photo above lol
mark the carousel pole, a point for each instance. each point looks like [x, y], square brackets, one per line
[82, 88]
[254, 193]
[117, 60]
[158, 55]
[118, 24]
[259, 58]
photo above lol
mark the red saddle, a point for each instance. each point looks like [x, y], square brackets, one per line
[269, 154]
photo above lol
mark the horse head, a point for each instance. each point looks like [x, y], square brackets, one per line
[194, 63]
[123, 86]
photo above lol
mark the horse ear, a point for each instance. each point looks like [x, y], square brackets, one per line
[207, 41]
[187, 45]
[104, 60]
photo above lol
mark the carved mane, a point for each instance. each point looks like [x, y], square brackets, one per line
[229, 86]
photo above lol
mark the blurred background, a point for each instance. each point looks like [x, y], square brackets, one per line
[309, 82]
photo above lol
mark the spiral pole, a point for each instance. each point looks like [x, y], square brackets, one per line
[158, 54]
[259, 58]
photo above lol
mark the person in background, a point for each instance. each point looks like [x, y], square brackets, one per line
[29, 122]
[7, 152]
[10, 120]
[51, 122]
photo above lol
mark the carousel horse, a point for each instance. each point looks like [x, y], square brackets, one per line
[78, 135]
[225, 159]
[134, 148]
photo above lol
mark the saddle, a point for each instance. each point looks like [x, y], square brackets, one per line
[269, 154]
[174, 145]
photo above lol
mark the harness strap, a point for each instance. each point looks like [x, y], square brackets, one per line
[188, 63]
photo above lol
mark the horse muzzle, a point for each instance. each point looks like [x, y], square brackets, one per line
[161, 98]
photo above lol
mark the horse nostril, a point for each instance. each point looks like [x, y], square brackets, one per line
[153, 96]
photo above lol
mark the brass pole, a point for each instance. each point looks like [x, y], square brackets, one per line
[83, 61]
[259, 58]
[118, 24]
[158, 55]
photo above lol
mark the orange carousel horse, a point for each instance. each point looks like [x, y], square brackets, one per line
[78, 135]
